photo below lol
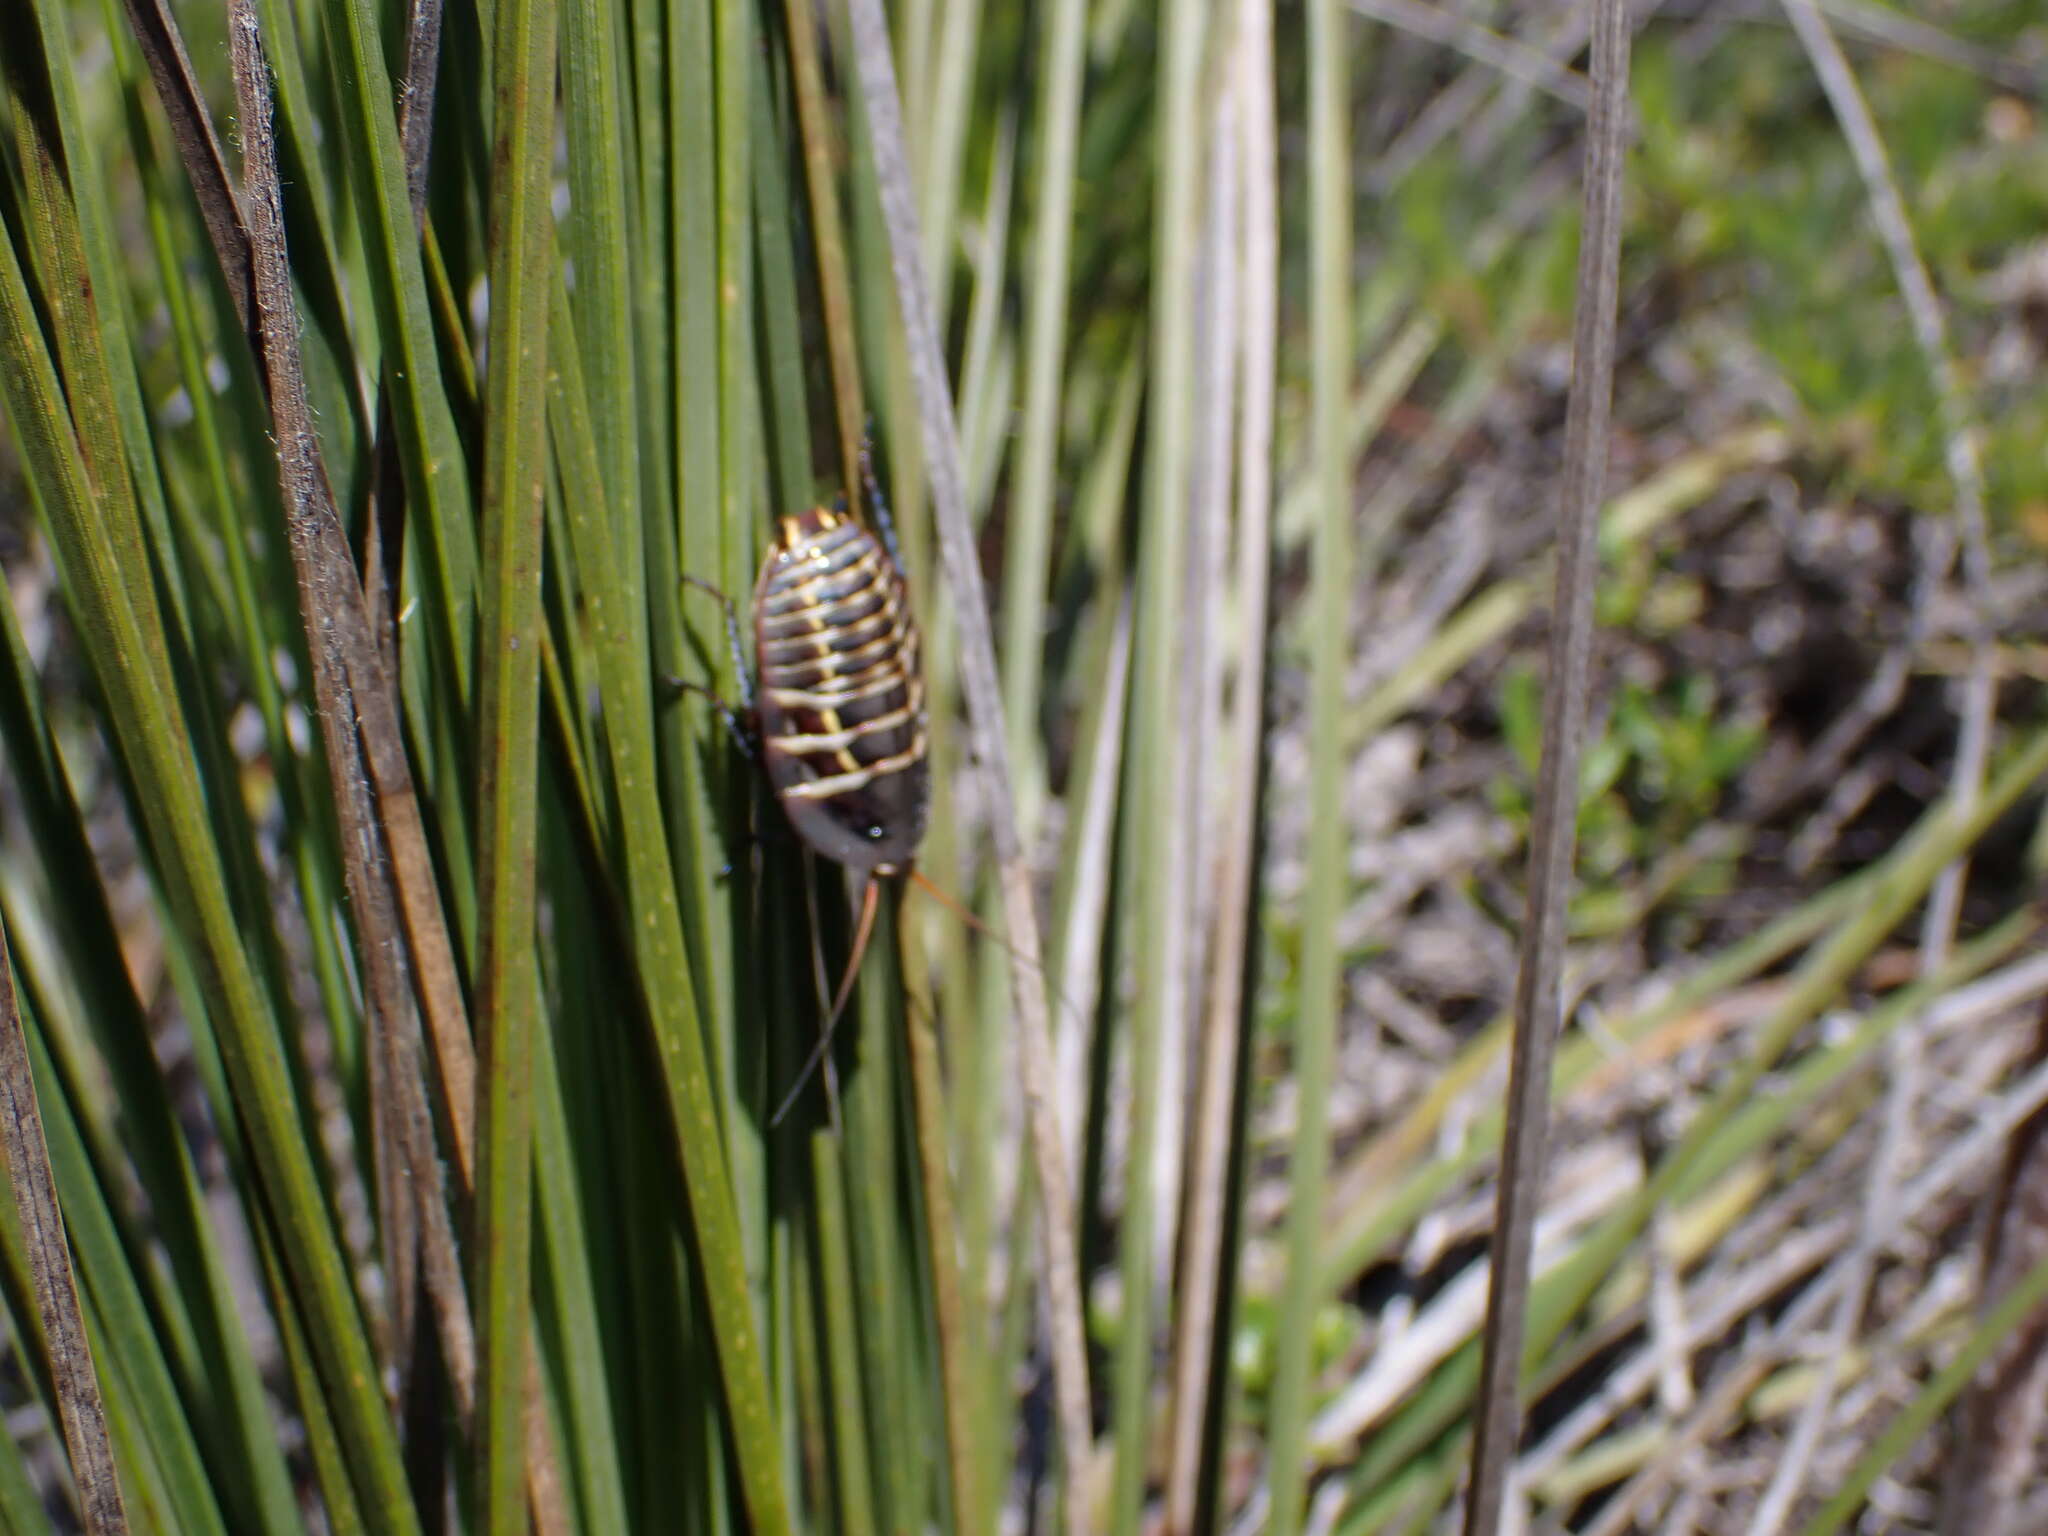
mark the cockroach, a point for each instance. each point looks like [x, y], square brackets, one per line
[838, 709]
[840, 700]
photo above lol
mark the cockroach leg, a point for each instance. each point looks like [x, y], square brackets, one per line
[734, 725]
[732, 637]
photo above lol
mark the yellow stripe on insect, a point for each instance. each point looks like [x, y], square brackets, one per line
[839, 663]
[840, 738]
[841, 783]
[846, 691]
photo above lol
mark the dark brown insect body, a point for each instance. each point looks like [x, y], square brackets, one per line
[839, 710]
[840, 701]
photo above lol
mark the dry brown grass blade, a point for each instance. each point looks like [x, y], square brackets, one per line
[359, 724]
[79, 1409]
[199, 147]
[398, 1212]
[943, 463]
[1538, 1009]
[416, 96]
[310, 523]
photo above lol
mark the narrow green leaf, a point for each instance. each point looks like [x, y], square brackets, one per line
[570, 1255]
[1055, 132]
[340, 1503]
[786, 417]
[943, 149]
[1164, 911]
[1321, 965]
[597, 240]
[856, 1506]
[900, 1441]
[21, 1512]
[684, 533]
[507, 749]
[942, 1248]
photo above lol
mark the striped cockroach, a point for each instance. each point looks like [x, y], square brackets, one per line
[838, 707]
[840, 700]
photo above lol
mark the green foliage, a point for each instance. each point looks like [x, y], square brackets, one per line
[1336, 1332]
[1655, 774]
[1740, 157]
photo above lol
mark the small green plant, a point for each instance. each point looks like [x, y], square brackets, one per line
[1653, 778]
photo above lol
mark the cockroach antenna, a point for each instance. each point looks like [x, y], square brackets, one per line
[863, 931]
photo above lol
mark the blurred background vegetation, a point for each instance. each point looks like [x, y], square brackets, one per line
[407, 1006]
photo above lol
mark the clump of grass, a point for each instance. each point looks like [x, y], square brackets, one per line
[408, 970]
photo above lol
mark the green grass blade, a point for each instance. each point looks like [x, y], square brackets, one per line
[735, 40]
[515, 456]
[856, 1508]
[597, 239]
[903, 1455]
[988, 360]
[828, 235]
[21, 1511]
[569, 1259]
[1056, 130]
[943, 150]
[685, 527]
[344, 1510]
[1164, 909]
[942, 1250]
[1321, 966]
[100, 370]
